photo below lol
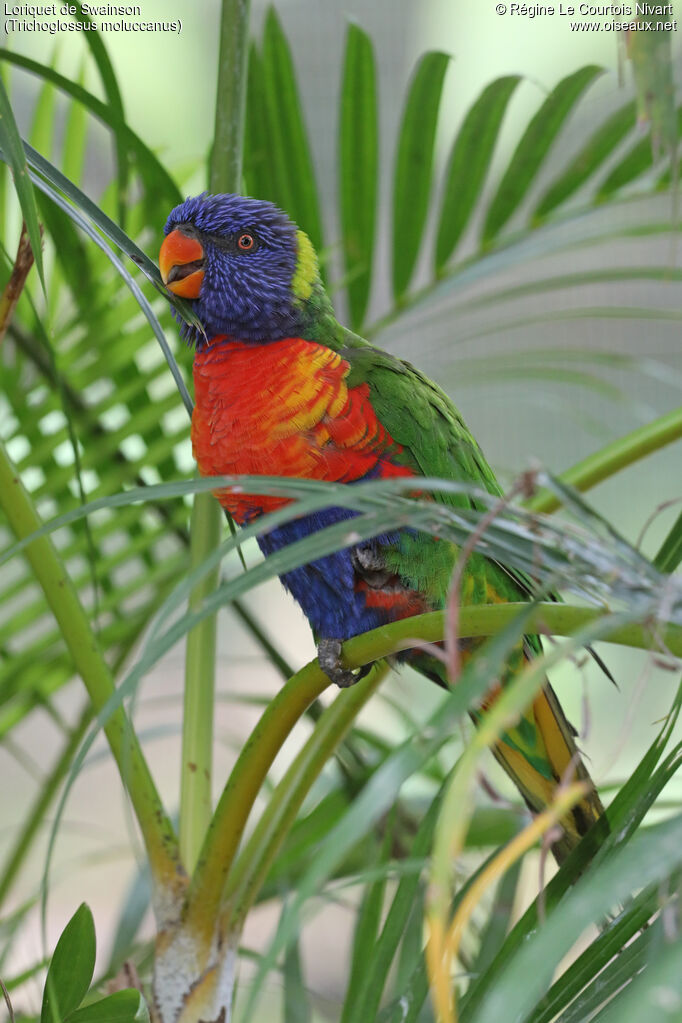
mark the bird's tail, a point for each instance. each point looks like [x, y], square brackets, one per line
[555, 760]
[539, 754]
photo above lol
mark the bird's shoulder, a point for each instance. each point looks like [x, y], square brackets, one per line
[419, 415]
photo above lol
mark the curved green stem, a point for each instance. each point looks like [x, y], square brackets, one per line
[612, 458]
[251, 868]
[73, 622]
[240, 792]
[489, 619]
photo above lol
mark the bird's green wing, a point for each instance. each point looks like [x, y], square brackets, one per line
[436, 442]
[421, 418]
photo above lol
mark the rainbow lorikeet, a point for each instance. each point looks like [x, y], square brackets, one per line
[283, 389]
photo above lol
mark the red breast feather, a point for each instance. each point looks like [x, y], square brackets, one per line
[284, 409]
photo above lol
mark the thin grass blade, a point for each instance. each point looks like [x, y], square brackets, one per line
[114, 102]
[608, 944]
[15, 157]
[296, 1002]
[670, 553]
[650, 858]
[654, 996]
[373, 982]
[85, 226]
[499, 918]
[366, 932]
[159, 184]
[135, 905]
[615, 977]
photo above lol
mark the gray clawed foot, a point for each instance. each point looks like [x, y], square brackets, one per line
[329, 658]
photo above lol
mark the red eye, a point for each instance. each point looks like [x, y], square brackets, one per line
[245, 242]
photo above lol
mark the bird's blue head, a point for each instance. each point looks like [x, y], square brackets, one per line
[246, 267]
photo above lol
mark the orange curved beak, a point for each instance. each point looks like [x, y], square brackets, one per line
[181, 262]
